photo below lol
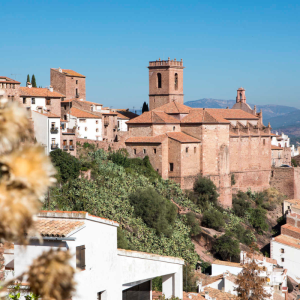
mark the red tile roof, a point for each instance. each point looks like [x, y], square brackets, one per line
[76, 99]
[146, 139]
[71, 73]
[182, 137]
[120, 116]
[227, 263]
[230, 114]
[200, 115]
[287, 240]
[214, 293]
[8, 80]
[78, 113]
[39, 92]
[173, 108]
[152, 117]
[273, 147]
[292, 228]
[57, 228]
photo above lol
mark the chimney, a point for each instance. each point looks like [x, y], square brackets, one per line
[50, 88]
[206, 295]
[29, 85]
[199, 286]
[59, 70]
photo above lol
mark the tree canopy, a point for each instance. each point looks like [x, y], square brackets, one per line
[145, 107]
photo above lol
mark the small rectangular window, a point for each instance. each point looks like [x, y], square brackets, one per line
[282, 259]
[282, 250]
[85, 128]
[264, 141]
[48, 101]
[134, 151]
[96, 121]
[76, 81]
[171, 167]
[144, 151]
[24, 100]
[80, 257]
[65, 107]
[187, 149]
[195, 149]
[32, 100]
[154, 150]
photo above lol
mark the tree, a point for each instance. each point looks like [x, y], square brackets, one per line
[156, 211]
[33, 82]
[193, 222]
[250, 284]
[213, 219]
[227, 247]
[68, 166]
[206, 191]
[145, 107]
[294, 163]
[28, 78]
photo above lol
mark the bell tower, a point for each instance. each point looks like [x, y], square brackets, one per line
[165, 82]
[241, 97]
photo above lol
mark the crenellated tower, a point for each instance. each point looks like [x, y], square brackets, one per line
[165, 82]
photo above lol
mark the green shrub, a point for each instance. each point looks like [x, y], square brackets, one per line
[243, 235]
[233, 182]
[193, 222]
[157, 284]
[294, 163]
[122, 241]
[240, 205]
[67, 165]
[227, 247]
[156, 211]
[213, 219]
[258, 219]
[206, 191]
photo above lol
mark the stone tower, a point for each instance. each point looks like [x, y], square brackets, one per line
[241, 97]
[165, 82]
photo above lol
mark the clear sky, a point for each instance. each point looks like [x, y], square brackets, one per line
[224, 44]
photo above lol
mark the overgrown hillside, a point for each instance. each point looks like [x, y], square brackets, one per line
[132, 193]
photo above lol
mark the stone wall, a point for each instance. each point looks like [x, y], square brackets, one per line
[68, 137]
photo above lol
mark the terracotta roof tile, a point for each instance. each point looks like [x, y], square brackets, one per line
[287, 240]
[8, 80]
[273, 147]
[120, 116]
[130, 115]
[78, 113]
[151, 117]
[214, 293]
[69, 72]
[200, 115]
[292, 228]
[146, 139]
[56, 228]
[173, 108]
[227, 263]
[182, 137]
[39, 92]
[230, 114]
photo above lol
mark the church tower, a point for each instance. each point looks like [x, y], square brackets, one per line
[165, 82]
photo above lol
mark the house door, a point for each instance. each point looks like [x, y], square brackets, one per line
[138, 292]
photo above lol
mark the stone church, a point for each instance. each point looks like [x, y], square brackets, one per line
[183, 142]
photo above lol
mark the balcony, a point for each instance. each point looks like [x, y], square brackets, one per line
[65, 147]
[106, 122]
[71, 148]
[54, 130]
[54, 146]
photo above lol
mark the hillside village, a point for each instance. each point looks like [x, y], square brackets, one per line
[221, 181]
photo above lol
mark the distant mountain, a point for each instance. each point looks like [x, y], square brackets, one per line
[269, 110]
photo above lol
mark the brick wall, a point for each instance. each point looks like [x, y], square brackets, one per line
[55, 107]
[58, 81]
[11, 93]
[289, 232]
[140, 130]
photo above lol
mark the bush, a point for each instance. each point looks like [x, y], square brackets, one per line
[213, 219]
[122, 242]
[243, 235]
[67, 166]
[233, 182]
[193, 222]
[240, 205]
[156, 211]
[206, 191]
[227, 247]
[258, 220]
[157, 284]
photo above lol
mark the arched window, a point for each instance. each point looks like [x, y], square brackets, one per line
[176, 81]
[159, 80]
[241, 96]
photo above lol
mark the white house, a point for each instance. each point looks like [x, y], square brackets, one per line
[285, 248]
[282, 140]
[88, 125]
[105, 272]
[122, 120]
[47, 130]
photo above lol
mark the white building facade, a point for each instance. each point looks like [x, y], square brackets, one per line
[105, 272]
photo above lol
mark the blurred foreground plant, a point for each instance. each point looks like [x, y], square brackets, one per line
[26, 173]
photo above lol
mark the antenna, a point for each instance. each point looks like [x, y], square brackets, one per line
[15, 75]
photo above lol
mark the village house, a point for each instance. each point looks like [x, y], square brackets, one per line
[183, 142]
[105, 272]
[285, 248]
[10, 87]
[281, 156]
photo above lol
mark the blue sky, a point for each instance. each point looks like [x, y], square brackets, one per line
[223, 44]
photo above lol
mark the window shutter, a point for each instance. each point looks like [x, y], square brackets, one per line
[80, 257]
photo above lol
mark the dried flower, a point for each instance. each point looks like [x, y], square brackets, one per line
[28, 168]
[51, 276]
[17, 207]
[14, 125]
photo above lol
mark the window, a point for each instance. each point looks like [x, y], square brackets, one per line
[171, 167]
[187, 149]
[65, 107]
[76, 81]
[53, 141]
[76, 93]
[282, 250]
[264, 141]
[96, 121]
[85, 128]
[24, 100]
[48, 101]
[282, 259]
[118, 124]
[78, 128]
[32, 100]
[195, 149]
[80, 257]
[65, 117]
[174, 128]
[176, 81]
[159, 80]
[81, 120]
[144, 151]
[154, 150]
[65, 142]
[71, 142]
[97, 130]
[134, 151]
[241, 96]
[53, 125]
